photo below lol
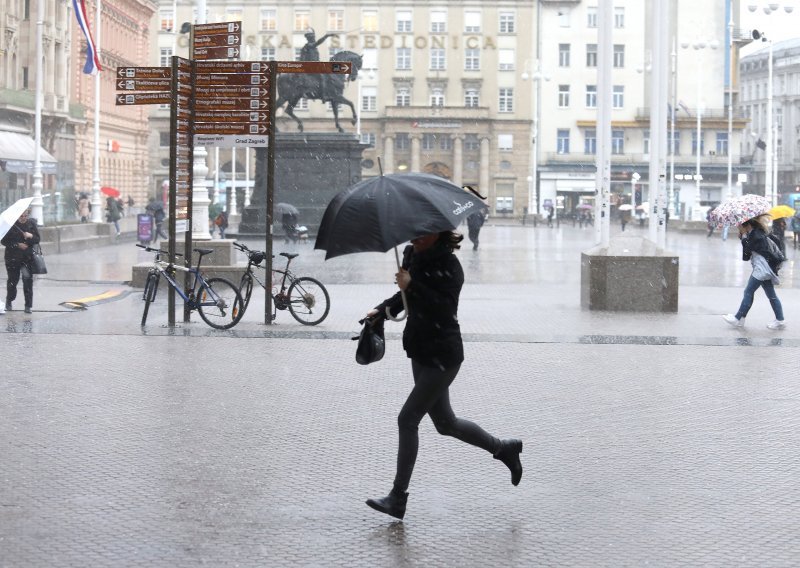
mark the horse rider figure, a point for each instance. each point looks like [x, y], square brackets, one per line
[309, 52]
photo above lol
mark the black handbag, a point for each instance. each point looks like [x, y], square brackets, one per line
[38, 265]
[371, 344]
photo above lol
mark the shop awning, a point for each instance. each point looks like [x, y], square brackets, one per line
[18, 152]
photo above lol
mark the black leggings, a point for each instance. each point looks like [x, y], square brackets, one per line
[430, 396]
[14, 270]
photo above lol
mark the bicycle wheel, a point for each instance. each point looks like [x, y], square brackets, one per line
[246, 290]
[149, 295]
[219, 303]
[308, 301]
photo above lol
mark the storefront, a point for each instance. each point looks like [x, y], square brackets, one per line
[17, 159]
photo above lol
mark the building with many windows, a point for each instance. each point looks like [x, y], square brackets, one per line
[454, 88]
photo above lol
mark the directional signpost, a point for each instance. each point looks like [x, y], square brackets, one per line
[216, 41]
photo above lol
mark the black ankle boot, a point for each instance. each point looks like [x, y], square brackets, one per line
[393, 504]
[509, 454]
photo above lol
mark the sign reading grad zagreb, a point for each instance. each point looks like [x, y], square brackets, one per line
[216, 41]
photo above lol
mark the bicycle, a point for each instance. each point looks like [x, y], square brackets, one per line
[217, 300]
[305, 297]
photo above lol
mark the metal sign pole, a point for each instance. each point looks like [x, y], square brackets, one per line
[273, 82]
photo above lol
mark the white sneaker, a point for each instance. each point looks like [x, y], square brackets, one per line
[777, 324]
[731, 319]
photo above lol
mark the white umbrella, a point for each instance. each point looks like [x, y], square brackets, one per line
[10, 215]
[625, 207]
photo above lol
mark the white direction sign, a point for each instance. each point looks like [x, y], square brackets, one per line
[231, 140]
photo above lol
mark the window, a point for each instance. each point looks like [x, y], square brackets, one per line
[437, 96]
[505, 142]
[676, 143]
[591, 55]
[618, 96]
[402, 97]
[302, 104]
[438, 21]
[402, 141]
[369, 21]
[369, 99]
[506, 59]
[428, 141]
[504, 200]
[563, 17]
[268, 54]
[302, 20]
[472, 59]
[619, 17]
[471, 143]
[167, 20]
[646, 142]
[403, 21]
[269, 20]
[563, 54]
[591, 96]
[472, 22]
[590, 142]
[471, 97]
[694, 143]
[164, 139]
[233, 14]
[506, 102]
[165, 57]
[507, 25]
[445, 142]
[336, 20]
[619, 56]
[722, 143]
[368, 138]
[437, 59]
[617, 141]
[562, 141]
[591, 17]
[563, 96]
[403, 61]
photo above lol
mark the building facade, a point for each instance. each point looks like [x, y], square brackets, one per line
[785, 120]
[501, 96]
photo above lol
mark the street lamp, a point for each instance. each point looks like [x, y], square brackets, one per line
[537, 77]
[698, 45]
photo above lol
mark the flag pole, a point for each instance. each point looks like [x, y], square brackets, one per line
[97, 213]
[36, 204]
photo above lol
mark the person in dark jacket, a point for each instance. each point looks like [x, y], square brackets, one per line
[474, 224]
[757, 247]
[778, 234]
[19, 242]
[432, 278]
[113, 212]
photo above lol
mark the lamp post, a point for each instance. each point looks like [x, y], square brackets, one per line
[698, 45]
[771, 166]
[536, 77]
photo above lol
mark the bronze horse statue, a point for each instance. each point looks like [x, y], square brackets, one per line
[325, 87]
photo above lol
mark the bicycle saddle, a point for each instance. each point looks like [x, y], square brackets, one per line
[290, 255]
[202, 252]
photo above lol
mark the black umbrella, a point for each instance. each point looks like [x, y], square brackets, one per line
[380, 213]
[286, 209]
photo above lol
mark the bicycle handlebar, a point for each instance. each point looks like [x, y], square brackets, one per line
[150, 249]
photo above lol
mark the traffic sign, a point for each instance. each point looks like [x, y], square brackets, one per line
[230, 128]
[215, 92]
[205, 53]
[232, 66]
[230, 79]
[163, 98]
[144, 84]
[233, 103]
[230, 116]
[144, 72]
[313, 66]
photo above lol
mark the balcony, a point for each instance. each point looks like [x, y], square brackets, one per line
[21, 100]
[437, 112]
[684, 112]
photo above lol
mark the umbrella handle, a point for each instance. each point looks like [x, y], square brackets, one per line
[402, 294]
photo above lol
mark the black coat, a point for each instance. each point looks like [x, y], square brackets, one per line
[15, 255]
[432, 335]
[757, 241]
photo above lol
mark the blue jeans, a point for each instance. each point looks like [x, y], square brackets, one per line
[750, 290]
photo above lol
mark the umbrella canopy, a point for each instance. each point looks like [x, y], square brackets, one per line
[739, 209]
[286, 209]
[585, 206]
[625, 207]
[110, 191]
[781, 211]
[10, 215]
[383, 212]
[644, 205]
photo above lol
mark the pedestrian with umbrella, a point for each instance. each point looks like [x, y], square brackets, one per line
[379, 214]
[779, 213]
[749, 212]
[19, 235]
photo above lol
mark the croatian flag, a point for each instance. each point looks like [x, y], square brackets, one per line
[92, 66]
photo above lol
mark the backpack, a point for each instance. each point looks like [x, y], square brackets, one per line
[774, 250]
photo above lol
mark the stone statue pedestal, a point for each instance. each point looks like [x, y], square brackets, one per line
[310, 168]
[631, 275]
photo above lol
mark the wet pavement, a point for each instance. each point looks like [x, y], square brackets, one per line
[650, 439]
